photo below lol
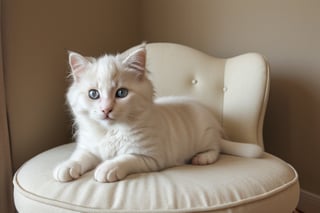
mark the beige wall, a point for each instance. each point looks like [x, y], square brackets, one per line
[38, 33]
[287, 32]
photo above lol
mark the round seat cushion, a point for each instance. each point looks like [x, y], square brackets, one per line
[234, 183]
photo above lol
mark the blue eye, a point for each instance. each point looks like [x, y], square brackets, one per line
[94, 94]
[121, 93]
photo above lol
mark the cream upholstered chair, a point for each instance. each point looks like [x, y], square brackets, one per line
[237, 90]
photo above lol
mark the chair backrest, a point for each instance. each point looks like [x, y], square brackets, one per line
[236, 89]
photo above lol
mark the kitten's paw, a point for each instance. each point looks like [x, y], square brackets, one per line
[205, 158]
[67, 171]
[109, 172]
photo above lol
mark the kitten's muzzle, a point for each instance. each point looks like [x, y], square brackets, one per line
[106, 113]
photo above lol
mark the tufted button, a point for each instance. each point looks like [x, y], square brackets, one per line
[194, 81]
[225, 89]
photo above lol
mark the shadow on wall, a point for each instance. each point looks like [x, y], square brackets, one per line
[291, 126]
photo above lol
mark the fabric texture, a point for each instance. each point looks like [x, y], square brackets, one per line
[232, 182]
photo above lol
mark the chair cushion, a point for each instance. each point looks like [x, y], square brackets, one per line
[240, 184]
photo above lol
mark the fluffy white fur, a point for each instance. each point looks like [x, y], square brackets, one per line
[120, 132]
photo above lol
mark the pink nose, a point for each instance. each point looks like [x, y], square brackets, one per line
[107, 110]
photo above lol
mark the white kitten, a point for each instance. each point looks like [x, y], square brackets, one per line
[121, 129]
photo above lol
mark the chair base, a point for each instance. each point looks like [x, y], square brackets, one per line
[232, 184]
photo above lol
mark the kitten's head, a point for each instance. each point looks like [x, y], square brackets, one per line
[110, 89]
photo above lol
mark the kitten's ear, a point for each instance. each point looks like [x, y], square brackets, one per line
[136, 60]
[77, 63]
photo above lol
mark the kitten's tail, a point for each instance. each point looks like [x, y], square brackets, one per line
[241, 149]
